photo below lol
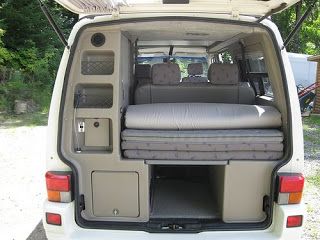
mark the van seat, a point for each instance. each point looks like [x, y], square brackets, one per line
[223, 88]
[195, 72]
[142, 73]
[165, 74]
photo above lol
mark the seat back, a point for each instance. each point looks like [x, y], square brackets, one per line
[195, 72]
[224, 88]
[165, 74]
[142, 73]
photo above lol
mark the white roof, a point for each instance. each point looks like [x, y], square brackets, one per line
[256, 8]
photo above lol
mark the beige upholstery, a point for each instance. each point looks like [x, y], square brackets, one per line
[143, 73]
[191, 116]
[165, 74]
[196, 92]
[192, 92]
[223, 74]
[195, 70]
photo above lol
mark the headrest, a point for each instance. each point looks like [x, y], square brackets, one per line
[142, 71]
[195, 69]
[223, 74]
[165, 74]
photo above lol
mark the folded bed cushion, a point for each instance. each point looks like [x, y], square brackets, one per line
[249, 144]
[204, 136]
[194, 155]
[193, 116]
[204, 147]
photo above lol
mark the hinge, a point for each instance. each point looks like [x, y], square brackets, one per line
[266, 204]
[82, 205]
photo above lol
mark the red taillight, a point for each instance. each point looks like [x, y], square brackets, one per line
[58, 186]
[58, 182]
[289, 184]
[294, 221]
[53, 218]
[290, 188]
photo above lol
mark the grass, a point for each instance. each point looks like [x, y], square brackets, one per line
[311, 128]
[27, 119]
[314, 179]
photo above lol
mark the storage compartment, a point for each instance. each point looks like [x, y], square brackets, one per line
[115, 194]
[93, 96]
[97, 63]
[229, 193]
[183, 192]
[93, 134]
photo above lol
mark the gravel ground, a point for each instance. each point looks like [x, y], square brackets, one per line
[22, 181]
[312, 174]
[22, 184]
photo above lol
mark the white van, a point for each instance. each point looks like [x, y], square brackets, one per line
[174, 120]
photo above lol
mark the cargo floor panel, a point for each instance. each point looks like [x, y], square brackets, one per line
[175, 198]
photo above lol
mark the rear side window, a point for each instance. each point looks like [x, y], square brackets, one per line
[258, 76]
[182, 61]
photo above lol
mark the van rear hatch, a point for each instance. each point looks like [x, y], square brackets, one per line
[232, 8]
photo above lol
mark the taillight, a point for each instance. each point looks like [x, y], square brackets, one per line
[290, 188]
[59, 186]
[294, 221]
[53, 218]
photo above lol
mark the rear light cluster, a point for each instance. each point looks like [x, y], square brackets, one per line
[290, 192]
[59, 186]
[290, 188]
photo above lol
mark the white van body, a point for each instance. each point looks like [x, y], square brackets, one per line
[72, 225]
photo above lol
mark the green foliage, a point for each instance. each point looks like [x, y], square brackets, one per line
[18, 89]
[4, 53]
[307, 39]
[30, 51]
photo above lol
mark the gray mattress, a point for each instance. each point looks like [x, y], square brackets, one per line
[245, 144]
[193, 155]
[205, 136]
[197, 116]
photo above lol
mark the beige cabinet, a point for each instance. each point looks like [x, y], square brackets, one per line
[115, 194]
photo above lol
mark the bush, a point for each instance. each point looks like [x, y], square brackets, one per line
[18, 89]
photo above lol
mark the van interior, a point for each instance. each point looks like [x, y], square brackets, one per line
[179, 123]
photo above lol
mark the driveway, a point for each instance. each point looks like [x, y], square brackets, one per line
[22, 154]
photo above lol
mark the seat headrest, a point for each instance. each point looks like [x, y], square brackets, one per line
[165, 74]
[195, 69]
[223, 74]
[142, 71]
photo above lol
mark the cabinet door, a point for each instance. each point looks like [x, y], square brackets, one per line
[115, 194]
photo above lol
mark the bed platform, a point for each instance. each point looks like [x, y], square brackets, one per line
[210, 131]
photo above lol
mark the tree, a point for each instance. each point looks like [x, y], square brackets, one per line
[307, 39]
[29, 36]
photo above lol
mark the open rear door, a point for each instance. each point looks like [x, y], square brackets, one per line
[257, 8]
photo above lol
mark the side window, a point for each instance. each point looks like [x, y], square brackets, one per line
[258, 76]
[224, 57]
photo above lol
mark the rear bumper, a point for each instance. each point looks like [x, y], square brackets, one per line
[70, 230]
